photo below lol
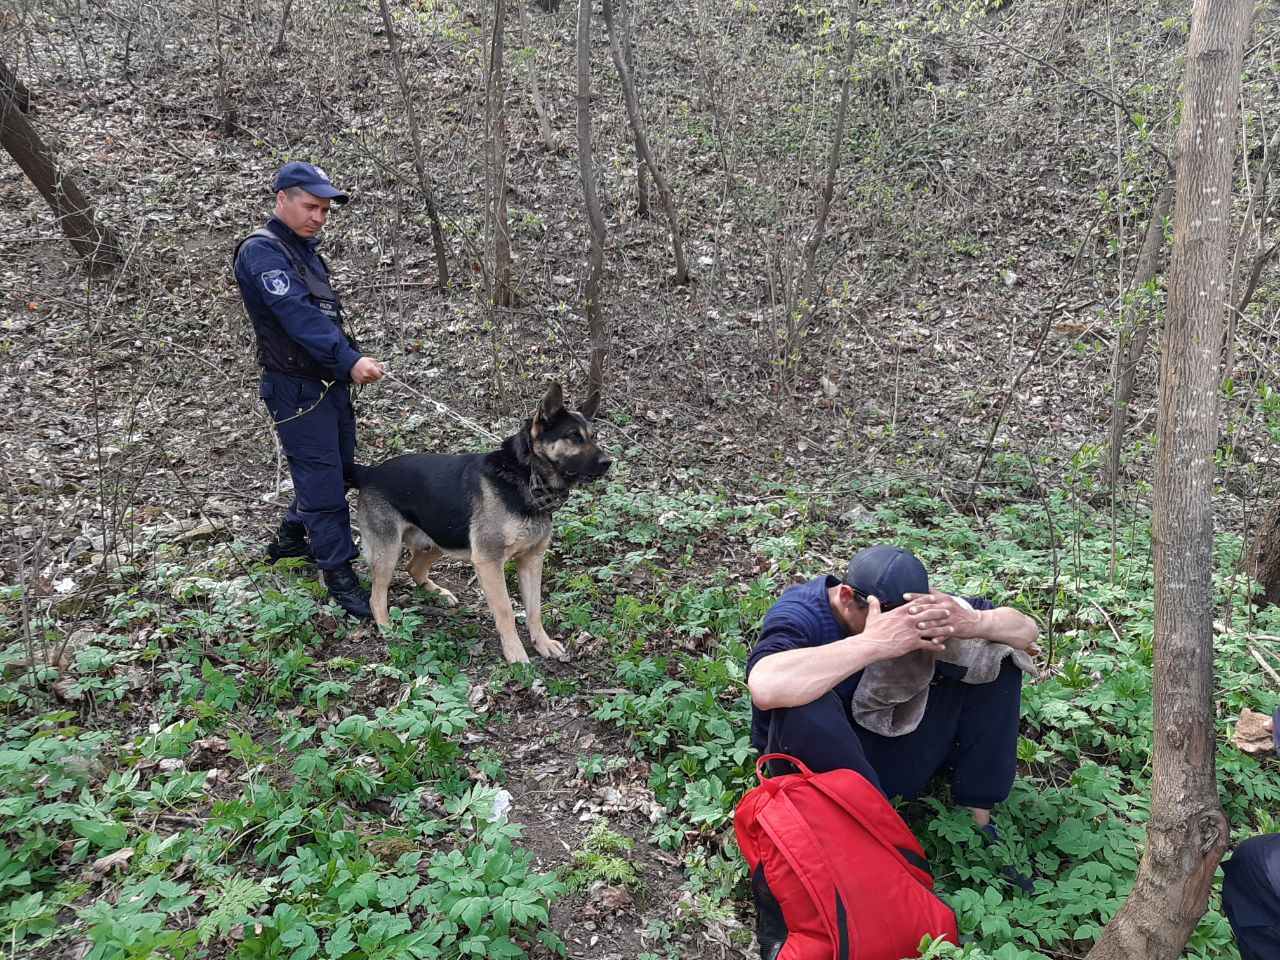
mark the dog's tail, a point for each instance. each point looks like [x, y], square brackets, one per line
[357, 476]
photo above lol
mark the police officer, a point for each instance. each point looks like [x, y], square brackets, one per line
[308, 363]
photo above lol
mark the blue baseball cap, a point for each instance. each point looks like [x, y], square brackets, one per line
[886, 572]
[310, 178]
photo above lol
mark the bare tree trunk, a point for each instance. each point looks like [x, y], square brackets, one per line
[496, 105]
[1134, 332]
[535, 86]
[226, 106]
[595, 313]
[642, 143]
[1264, 558]
[642, 168]
[93, 241]
[419, 162]
[14, 89]
[808, 283]
[1187, 832]
[279, 45]
[1255, 272]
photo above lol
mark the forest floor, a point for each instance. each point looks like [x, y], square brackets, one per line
[274, 771]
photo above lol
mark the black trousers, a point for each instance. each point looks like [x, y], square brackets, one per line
[969, 731]
[1251, 896]
[317, 429]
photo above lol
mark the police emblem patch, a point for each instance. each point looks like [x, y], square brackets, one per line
[276, 281]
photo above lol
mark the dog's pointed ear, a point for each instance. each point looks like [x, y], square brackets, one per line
[550, 405]
[520, 445]
[591, 406]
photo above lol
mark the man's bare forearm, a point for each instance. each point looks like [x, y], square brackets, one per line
[1008, 626]
[792, 678]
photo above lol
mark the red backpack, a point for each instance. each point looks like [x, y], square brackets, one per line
[835, 873]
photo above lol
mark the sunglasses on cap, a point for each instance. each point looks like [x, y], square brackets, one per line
[864, 599]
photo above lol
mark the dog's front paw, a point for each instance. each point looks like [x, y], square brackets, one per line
[447, 597]
[514, 652]
[551, 648]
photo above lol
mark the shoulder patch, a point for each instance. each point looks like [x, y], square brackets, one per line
[276, 282]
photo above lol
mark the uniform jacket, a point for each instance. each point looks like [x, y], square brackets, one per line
[296, 315]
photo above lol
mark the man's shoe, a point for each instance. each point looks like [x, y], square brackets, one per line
[991, 837]
[347, 592]
[290, 541]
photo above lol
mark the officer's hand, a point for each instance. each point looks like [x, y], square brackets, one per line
[900, 631]
[366, 370]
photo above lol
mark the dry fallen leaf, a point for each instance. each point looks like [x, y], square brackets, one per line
[104, 865]
[1254, 733]
[212, 744]
[65, 690]
[614, 899]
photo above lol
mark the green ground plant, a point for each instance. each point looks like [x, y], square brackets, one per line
[1076, 820]
[603, 859]
[213, 784]
[291, 858]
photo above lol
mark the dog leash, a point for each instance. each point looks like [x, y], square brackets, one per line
[542, 496]
[303, 413]
[447, 411]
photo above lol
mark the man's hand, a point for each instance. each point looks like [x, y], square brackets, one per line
[903, 630]
[952, 617]
[366, 370]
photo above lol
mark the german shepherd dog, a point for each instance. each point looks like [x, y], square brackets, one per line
[484, 507]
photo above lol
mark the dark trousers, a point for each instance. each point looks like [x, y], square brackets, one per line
[968, 730]
[317, 430]
[1251, 896]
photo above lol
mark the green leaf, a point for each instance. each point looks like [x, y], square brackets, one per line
[340, 943]
[108, 836]
[470, 911]
[502, 947]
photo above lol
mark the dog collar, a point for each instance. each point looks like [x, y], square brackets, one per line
[543, 497]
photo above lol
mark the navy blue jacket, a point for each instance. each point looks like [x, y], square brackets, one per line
[296, 315]
[802, 617]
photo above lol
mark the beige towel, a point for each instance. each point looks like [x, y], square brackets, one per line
[892, 694]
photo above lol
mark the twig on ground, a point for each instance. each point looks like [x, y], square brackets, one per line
[1106, 616]
[1266, 667]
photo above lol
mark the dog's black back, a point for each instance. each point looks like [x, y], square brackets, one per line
[434, 492]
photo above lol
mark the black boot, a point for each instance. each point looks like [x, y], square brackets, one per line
[347, 592]
[990, 838]
[290, 541]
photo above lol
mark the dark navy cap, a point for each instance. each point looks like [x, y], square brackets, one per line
[886, 572]
[310, 178]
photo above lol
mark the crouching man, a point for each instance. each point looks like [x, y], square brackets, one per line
[1251, 884]
[855, 674]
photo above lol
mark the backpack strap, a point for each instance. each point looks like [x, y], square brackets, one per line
[796, 841]
[786, 757]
